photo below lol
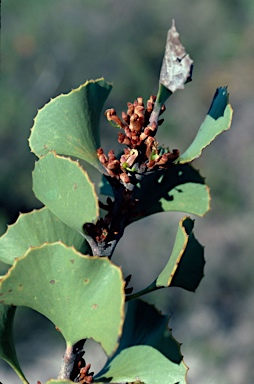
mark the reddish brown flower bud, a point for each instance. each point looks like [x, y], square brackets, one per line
[140, 101]
[101, 156]
[128, 132]
[111, 155]
[149, 106]
[135, 125]
[124, 178]
[125, 118]
[140, 111]
[112, 116]
[123, 139]
[109, 113]
[149, 146]
[130, 109]
[113, 165]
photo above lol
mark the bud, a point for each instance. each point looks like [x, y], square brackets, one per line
[125, 178]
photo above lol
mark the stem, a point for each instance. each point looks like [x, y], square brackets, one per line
[162, 95]
[72, 356]
[155, 113]
[151, 288]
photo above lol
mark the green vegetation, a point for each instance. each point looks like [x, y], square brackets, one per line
[61, 255]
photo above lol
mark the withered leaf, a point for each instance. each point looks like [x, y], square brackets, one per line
[177, 65]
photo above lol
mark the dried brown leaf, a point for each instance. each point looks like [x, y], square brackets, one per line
[177, 64]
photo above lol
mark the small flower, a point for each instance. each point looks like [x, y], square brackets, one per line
[141, 152]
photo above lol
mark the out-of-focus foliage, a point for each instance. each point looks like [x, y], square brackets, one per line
[50, 46]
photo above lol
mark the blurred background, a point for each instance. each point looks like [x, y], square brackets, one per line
[51, 46]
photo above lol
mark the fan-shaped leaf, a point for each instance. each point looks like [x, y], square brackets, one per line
[218, 119]
[34, 229]
[145, 326]
[179, 188]
[83, 296]
[185, 267]
[65, 188]
[143, 364]
[69, 124]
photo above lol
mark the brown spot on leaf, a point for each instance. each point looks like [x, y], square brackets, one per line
[52, 281]
[95, 306]
[72, 261]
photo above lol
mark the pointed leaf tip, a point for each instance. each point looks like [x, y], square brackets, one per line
[219, 103]
[217, 120]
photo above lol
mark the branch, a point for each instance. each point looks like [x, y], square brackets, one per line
[72, 356]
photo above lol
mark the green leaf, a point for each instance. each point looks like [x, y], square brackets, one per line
[145, 325]
[145, 336]
[185, 267]
[65, 188]
[83, 296]
[7, 349]
[143, 364]
[179, 188]
[218, 119]
[36, 228]
[69, 124]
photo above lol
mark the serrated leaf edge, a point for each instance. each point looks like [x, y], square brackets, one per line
[52, 100]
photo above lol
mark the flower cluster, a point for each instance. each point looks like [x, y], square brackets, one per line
[142, 152]
[81, 373]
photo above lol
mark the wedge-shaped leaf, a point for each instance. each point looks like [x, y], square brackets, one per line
[65, 188]
[218, 119]
[144, 327]
[185, 267]
[179, 188]
[7, 349]
[34, 229]
[69, 124]
[143, 364]
[83, 296]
